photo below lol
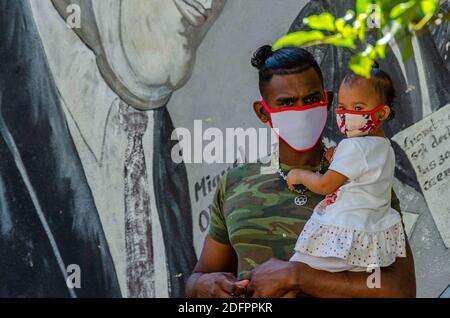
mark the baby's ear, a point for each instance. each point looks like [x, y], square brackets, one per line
[385, 113]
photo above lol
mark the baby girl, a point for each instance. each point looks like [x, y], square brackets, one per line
[354, 227]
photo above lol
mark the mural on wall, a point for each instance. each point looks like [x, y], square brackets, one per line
[86, 176]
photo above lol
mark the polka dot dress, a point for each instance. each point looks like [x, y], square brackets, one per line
[358, 248]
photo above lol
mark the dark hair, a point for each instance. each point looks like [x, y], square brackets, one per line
[382, 83]
[284, 61]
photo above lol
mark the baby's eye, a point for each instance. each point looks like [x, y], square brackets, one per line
[358, 108]
[340, 108]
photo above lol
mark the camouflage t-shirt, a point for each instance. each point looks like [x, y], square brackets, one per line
[257, 215]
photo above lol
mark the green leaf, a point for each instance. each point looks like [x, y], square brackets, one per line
[298, 39]
[362, 5]
[360, 25]
[340, 25]
[325, 22]
[380, 49]
[387, 5]
[402, 9]
[429, 7]
[361, 65]
[338, 40]
[370, 52]
[346, 30]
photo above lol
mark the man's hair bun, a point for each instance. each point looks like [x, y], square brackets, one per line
[261, 55]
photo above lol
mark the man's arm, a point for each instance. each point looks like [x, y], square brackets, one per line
[397, 280]
[215, 273]
[276, 278]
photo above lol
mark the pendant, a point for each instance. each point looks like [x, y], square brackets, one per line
[301, 200]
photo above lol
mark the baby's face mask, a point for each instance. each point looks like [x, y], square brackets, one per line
[354, 123]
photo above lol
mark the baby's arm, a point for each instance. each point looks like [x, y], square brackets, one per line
[319, 183]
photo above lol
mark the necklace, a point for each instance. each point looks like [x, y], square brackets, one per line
[300, 189]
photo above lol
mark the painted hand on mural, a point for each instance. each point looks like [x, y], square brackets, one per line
[144, 54]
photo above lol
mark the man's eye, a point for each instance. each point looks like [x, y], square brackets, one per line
[312, 100]
[288, 103]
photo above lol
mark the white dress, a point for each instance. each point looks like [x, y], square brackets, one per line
[355, 227]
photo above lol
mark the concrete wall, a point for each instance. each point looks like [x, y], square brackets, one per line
[86, 123]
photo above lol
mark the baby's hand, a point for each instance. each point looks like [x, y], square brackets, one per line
[293, 178]
[330, 153]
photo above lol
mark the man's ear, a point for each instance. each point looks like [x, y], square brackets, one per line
[384, 113]
[261, 112]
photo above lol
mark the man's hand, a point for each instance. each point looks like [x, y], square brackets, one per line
[273, 279]
[220, 285]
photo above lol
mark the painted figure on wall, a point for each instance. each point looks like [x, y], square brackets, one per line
[86, 146]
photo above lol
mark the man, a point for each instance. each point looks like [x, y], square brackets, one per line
[256, 220]
[93, 198]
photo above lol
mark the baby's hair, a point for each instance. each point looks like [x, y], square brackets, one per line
[382, 83]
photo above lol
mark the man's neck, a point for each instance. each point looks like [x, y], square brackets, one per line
[290, 157]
